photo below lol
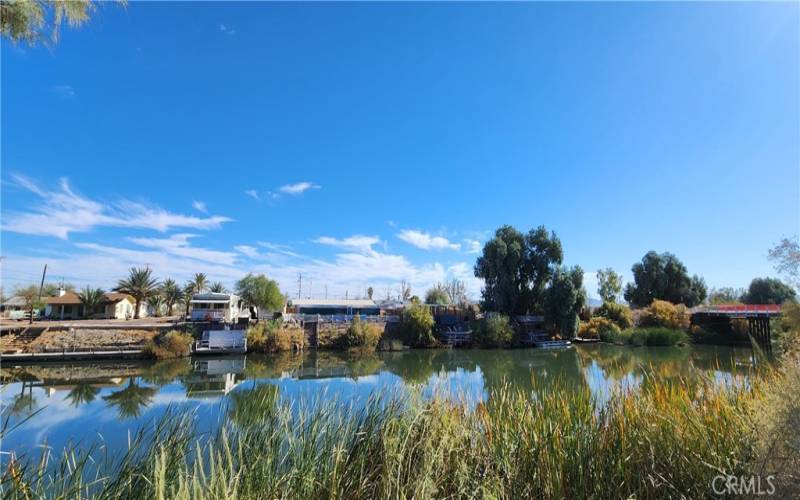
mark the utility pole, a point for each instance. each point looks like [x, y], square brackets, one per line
[299, 285]
[326, 292]
[41, 285]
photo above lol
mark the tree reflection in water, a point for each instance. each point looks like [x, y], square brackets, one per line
[82, 393]
[132, 399]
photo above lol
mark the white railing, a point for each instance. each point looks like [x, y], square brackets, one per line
[341, 318]
[204, 314]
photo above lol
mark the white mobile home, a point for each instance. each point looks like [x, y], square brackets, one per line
[223, 307]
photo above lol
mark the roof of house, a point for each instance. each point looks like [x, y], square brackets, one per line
[114, 297]
[15, 301]
[69, 298]
[72, 298]
[214, 297]
[333, 303]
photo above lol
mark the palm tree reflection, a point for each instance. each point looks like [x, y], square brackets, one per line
[82, 393]
[130, 400]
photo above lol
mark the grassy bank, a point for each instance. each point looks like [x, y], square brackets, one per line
[655, 336]
[664, 439]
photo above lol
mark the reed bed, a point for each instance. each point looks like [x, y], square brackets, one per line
[664, 439]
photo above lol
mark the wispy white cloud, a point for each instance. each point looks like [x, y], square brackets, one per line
[358, 242]
[200, 206]
[247, 250]
[252, 193]
[63, 212]
[179, 245]
[426, 241]
[227, 30]
[298, 187]
[65, 91]
[472, 246]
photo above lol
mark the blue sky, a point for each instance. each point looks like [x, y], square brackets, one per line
[363, 144]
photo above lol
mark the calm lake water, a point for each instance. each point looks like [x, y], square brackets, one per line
[91, 402]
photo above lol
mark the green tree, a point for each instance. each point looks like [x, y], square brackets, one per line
[200, 282]
[609, 284]
[494, 331]
[260, 291]
[39, 21]
[768, 291]
[91, 299]
[725, 295]
[370, 292]
[437, 295]
[516, 269]
[140, 284]
[217, 287]
[51, 289]
[172, 294]
[663, 277]
[33, 302]
[786, 256]
[564, 299]
[417, 324]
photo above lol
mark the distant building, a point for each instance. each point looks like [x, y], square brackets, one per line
[326, 307]
[15, 308]
[224, 307]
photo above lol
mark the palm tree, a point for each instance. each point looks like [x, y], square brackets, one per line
[217, 287]
[200, 282]
[91, 298]
[172, 294]
[156, 303]
[188, 294]
[140, 284]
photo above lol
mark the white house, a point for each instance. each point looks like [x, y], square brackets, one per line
[211, 306]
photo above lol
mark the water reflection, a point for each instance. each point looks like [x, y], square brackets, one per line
[76, 401]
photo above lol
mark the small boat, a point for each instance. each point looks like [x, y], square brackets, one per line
[551, 344]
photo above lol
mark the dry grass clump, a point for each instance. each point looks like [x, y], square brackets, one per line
[274, 336]
[173, 344]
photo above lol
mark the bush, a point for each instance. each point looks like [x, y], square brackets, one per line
[274, 336]
[362, 335]
[494, 331]
[597, 326]
[620, 314]
[418, 325]
[173, 344]
[665, 314]
[655, 336]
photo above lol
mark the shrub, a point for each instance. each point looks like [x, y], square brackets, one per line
[665, 314]
[418, 325]
[657, 336]
[362, 335]
[494, 331]
[274, 336]
[173, 344]
[598, 325]
[620, 314]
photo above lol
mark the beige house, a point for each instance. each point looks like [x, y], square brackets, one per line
[115, 306]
